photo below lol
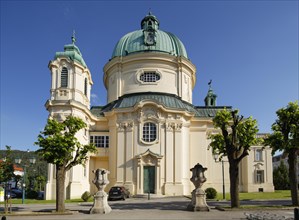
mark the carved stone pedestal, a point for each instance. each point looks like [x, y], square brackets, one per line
[198, 202]
[100, 204]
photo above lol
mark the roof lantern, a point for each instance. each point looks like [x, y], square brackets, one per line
[210, 99]
[150, 22]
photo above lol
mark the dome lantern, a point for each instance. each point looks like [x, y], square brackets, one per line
[150, 22]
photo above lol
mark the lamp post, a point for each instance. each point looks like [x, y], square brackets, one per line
[18, 161]
[216, 155]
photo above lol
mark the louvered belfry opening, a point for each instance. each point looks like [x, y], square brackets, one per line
[64, 77]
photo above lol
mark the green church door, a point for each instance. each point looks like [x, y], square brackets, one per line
[149, 179]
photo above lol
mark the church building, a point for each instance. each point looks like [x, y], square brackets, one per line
[149, 134]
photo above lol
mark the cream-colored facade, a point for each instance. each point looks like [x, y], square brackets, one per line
[149, 134]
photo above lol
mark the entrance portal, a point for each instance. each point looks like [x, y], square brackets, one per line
[149, 179]
[148, 173]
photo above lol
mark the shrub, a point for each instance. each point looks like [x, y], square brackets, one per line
[281, 177]
[86, 196]
[211, 193]
[31, 194]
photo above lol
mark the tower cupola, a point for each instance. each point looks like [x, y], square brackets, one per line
[210, 99]
[72, 52]
[71, 78]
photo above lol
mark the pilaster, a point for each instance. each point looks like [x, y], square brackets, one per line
[120, 152]
[169, 153]
[129, 155]
[178, 153]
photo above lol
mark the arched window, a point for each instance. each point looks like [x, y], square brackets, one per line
[149, 132]
[85, 86]
[64, 77]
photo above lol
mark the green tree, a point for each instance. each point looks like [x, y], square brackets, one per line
[285, 137]
[6, 167]
[234, 141]
[59, 146]
[41, 181]
[281, 177]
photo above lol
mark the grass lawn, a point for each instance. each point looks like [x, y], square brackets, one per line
[278, 194]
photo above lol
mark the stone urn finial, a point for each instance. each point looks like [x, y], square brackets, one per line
[101, 178]
[198, 176]
[100, 204]
[198, 202]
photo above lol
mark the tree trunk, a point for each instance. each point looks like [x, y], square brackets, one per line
[234, 184]
[292, 160]
[60, 188]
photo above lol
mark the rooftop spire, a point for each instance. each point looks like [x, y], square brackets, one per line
[73, 37]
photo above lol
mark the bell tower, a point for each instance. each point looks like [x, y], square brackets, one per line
[70, 95]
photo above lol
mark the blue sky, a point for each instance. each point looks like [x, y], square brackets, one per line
[248, 48]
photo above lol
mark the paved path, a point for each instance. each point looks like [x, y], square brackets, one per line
[138, 208]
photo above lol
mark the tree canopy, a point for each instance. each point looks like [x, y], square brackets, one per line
[58, 144]
[285, 136]
[6, 167]
[237, 134]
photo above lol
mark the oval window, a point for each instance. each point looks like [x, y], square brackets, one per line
[149, 77]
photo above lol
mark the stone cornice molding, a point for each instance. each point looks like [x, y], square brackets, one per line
[57, 63]
[71, 104]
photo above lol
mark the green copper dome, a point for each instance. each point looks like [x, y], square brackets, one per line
[149, 39]
[72, 52]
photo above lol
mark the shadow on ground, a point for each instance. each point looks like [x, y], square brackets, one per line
[176, 205]
[261, 203]
[13, 209]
